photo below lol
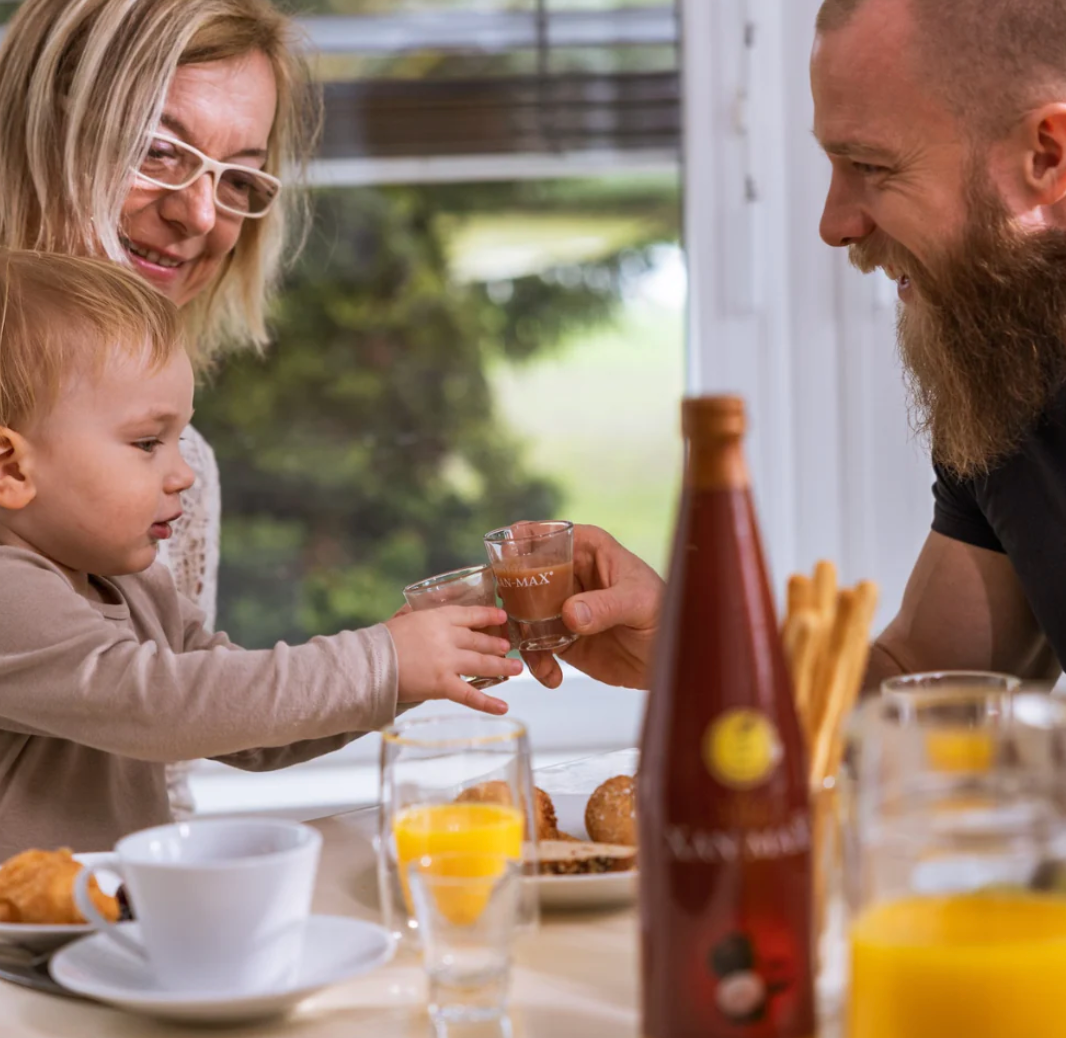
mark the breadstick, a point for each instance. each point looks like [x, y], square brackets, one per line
[789, 636]
[850, 646]
[825, 596]
[832, 679]
[834, 639]
[866, 592]
[803, 659]
[826, 844]
[825, 587]
[800, 595]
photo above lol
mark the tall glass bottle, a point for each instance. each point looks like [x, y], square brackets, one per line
[725, 859]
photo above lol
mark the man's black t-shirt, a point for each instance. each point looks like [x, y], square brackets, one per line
[1019, 508]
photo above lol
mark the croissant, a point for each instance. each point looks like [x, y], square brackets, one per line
[38, 887]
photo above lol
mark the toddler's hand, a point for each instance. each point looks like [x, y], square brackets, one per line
[435, 647]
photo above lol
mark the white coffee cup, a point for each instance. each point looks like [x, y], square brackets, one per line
[221, 904]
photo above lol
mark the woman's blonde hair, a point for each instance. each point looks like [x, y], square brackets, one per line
[82, 85]
[65, 316]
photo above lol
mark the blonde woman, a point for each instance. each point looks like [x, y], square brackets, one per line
[163, 134]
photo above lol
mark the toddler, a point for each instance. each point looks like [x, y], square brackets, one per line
[106, 672]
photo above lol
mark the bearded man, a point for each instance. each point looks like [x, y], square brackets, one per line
[945, 123]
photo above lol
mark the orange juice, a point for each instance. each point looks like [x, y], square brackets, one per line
[961, 750]
[489, 829]
[985, 965]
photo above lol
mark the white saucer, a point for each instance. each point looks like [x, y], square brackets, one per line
[42, 937]
[335, 948]
[606, 890]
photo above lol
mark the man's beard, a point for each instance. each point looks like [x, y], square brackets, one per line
[983, 340]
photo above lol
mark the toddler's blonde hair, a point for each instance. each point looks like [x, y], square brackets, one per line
[65, 316]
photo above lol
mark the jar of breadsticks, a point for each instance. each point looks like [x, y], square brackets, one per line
[827, 637]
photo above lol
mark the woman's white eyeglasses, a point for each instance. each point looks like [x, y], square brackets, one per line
[239, 190]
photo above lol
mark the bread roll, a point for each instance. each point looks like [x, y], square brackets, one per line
[611, 814]
[500, 793]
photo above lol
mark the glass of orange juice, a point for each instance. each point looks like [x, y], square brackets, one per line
[955, 865]
[453, 784]
[955, 748]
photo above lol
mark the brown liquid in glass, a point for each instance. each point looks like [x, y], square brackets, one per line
[725, 865]
[534, 592]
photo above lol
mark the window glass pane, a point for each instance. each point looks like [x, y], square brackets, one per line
[424, 65]
[366, 7]
[449, 358]
[604, 5]
[658, 58]
[393, 7]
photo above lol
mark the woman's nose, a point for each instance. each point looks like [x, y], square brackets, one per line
[193, 207]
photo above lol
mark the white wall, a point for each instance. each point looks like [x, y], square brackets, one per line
[781, 318]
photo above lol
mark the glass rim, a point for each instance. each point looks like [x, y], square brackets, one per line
[926, 681]
[450, 577]
[398, 733]
[895, 711]
[505, 535]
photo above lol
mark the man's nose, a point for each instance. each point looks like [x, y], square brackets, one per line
[844, 221]
[193, 207]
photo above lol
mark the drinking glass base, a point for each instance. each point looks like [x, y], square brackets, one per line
[544, 635]
[468, 986]
[499, 1027]
[550, 644]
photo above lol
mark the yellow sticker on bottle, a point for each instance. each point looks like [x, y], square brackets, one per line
[742, 748]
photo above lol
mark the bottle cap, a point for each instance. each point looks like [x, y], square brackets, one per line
[713, 417]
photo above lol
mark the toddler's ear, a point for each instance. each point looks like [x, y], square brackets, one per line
[17, 488]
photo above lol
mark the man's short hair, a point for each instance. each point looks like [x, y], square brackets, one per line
[990, 60]
[62, 317]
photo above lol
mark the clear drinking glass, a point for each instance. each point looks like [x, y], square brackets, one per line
[473, 586]
[453, 784]
[468, 909]
[955, 746]
[534, 567]
[955, 865]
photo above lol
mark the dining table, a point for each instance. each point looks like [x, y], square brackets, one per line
[576, 975]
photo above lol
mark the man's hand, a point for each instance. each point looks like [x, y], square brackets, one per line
[615, 610]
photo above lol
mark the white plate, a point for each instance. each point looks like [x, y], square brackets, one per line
[41, 937]
[610, 889]
[335, 948]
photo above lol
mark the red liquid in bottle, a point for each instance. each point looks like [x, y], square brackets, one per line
[725, 860]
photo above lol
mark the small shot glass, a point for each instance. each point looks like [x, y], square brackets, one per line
[534, 567]
[472, 586]
[467, 909]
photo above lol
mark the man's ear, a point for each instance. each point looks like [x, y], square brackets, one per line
[1044, 140]
[17, 488]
